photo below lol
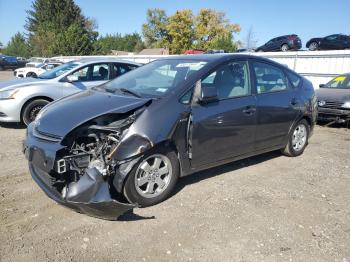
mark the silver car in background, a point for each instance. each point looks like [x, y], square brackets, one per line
[22, 99]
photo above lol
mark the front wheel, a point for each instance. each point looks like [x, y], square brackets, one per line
[152, 179]
[298, 139]
[32, 109]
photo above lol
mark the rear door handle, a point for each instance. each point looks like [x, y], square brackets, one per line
[249, 110]
[294, 102]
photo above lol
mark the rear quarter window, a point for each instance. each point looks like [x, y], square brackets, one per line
[294, 79]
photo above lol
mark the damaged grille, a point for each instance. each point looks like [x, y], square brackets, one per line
[331, 104]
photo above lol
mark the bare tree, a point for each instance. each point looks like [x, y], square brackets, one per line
[250, 41]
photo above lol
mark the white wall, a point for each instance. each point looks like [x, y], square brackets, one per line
[317, 66]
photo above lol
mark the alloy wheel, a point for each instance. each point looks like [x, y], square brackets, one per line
[299, 137]
[153, 176]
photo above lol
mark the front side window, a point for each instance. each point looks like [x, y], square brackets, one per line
[57, 71]
[230, 80]
[156, 78]
[269, 78]
[95, 72]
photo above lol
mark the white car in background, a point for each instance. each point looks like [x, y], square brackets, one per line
[22, 99]
[35, 71]
[35, 61]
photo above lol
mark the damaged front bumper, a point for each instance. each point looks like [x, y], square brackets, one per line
[90, 195]
[333, 114]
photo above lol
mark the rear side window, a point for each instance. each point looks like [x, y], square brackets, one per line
[269, 78]
[294, 79]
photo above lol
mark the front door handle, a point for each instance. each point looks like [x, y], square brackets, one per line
[249, 110]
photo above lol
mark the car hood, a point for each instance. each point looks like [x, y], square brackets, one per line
[62, 116]
[333, 94]
[16, 83]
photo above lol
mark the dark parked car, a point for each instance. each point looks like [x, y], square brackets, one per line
[10, 62]
[334, 100]
[331, 42]
[281, 43]
[125, 143]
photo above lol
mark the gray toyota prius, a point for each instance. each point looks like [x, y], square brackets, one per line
[124, 144]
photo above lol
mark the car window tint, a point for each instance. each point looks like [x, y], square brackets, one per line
[82, 73]
[341, 81]
[100, 72]
[186, 98]
[120, 69]
[294, 79]
[269, 78]
[230, 80]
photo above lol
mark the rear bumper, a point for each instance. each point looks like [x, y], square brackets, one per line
[333, 114]
[94, 201]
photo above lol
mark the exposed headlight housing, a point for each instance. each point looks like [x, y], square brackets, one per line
[8, 94]
[346, 104]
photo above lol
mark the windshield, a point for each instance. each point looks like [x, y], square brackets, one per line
[57, 71]
[156, 78]
[342, 82]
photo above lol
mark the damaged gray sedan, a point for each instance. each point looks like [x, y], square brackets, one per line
[125, 143]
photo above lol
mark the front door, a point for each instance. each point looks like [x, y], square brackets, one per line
[88, 77]
[225, 128]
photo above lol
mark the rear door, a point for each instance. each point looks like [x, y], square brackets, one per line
[277, 104]
[223, 129]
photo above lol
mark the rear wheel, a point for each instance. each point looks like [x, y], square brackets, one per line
[32, 109]
[152, 179]
[313, 46]
[298, 139]
[31, 74]
[284, 48]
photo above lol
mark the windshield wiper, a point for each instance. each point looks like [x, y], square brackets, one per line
[124, 90]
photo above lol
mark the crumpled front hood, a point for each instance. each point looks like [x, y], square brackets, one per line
[333, 94]
[64, 115]
[11, 84]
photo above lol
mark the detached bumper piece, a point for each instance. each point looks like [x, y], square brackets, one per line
[333, 114]
[90, 195]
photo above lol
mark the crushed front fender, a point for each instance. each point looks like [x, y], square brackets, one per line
[90, 195]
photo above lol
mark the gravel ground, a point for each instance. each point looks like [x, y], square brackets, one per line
[265, 208]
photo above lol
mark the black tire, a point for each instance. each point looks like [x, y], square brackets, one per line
[313, 46]
[289, 149]
[284, 48]
[31, 74]
[132, 194]
[31, 109]
[1, 68]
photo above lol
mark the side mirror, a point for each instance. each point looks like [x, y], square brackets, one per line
[322, 85]
[72, 78]
[208, 94]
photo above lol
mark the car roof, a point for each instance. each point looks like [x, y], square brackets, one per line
[104, 59]
[216, 57]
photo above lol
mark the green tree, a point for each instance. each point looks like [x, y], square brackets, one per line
[154, 30]
[128, 43]
[212, 27]
[17, 46]
[48, 21]
[74, 41]
[180, 29]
